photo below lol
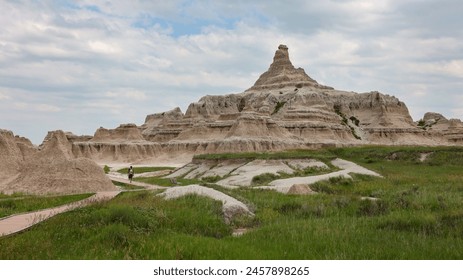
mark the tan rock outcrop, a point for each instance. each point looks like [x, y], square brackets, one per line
[125, 132]
[301, 189]
[282, 73]
[285, 109]
[450, 129]
[165, 126]
[11, 157]
[48, 169]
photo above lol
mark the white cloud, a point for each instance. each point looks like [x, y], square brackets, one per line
[104, 48]
[48, 108]
[439, 68]
[41, 107]
[453, 67]
[21, 105]
[4, 96]
[127, 95]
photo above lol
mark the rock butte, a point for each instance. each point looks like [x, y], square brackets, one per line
[49, 169]
[284, 109]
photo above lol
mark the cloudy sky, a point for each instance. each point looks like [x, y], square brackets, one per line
[79, 65]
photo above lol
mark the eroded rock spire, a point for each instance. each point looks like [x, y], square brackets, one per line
[282, 73]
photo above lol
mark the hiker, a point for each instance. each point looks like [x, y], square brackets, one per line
[130, 173]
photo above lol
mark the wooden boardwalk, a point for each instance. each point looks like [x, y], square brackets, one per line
[20, 222]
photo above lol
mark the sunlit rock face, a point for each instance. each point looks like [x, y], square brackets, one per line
[284, 109]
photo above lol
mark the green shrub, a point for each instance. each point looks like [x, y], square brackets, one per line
[115, 235]
[369, 207]
[355, 120]
[278, 106]
[145, 169]
[211, 179]
[264, 179]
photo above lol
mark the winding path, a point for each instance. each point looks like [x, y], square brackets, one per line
[20, 222]
[231, 206]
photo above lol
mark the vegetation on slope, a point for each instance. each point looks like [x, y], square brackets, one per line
[416, 214]
[15, 204]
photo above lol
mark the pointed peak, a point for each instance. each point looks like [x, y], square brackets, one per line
[281, 57]
[282, 73]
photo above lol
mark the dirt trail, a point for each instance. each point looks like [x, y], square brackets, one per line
[19, 222]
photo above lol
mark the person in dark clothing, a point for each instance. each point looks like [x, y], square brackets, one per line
[130, 172]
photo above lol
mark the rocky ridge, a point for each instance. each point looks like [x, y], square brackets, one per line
[284, 109]
[49, 169]
[450, 129]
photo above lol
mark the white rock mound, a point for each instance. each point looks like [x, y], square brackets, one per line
[231, 206]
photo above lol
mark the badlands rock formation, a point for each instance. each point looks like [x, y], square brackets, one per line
[283, 74]
[284, 109]
[451, 130]
[123, 144]
[49, 169]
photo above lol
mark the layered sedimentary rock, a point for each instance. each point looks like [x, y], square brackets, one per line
[125, 132]
[124, 144]
[284, 109]
[163, 127]
[11, 157]
[282, 73]
[450, 129]
[49, 169]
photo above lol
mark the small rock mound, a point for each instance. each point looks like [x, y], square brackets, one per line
[231, 206]
[300, 189]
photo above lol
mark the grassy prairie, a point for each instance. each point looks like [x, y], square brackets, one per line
[126, 186]
[322, 155]
[417, 214]
[145, 169]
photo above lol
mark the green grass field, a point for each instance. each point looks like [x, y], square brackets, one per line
[145, 169]
[417, 214]
[18, 203]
